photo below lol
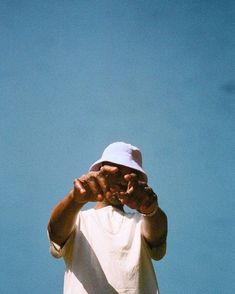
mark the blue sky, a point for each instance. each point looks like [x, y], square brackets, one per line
[78, 75]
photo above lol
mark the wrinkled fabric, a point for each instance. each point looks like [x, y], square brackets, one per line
[107, 254]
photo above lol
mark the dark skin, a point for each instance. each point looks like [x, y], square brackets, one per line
[114, 185]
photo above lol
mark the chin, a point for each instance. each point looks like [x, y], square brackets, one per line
[114, 201]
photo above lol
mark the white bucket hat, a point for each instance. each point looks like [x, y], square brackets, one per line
[123, 154]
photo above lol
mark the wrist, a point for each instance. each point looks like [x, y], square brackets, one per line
[152, 209]
[75, 201]
[152, 213]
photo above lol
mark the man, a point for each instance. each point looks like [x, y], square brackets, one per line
[105, 249]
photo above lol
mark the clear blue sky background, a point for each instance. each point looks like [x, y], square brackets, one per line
[78, 75]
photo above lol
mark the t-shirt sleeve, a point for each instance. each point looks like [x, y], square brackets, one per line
[58, 251]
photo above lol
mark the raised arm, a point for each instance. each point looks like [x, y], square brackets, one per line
[154, 230]
[91, 187]
[63, 218]
[141, 197]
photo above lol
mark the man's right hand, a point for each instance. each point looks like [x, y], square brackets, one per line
[95, 185]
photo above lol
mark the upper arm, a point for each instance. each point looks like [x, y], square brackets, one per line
[154, 231]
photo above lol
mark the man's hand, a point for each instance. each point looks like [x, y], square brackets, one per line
[96, 186]
[138, 195]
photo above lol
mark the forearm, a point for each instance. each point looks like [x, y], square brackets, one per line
[63, 219]
[154, 228]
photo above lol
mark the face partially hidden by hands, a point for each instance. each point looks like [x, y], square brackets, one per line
[117, 182]
[116, 185]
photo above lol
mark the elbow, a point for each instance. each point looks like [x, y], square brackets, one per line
[158, 252]
[161, 251]
[54, 236]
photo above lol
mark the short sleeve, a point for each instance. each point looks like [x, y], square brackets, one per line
[57, 251]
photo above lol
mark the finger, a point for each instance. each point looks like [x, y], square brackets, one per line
[132, 183]
[146, 197]
[79, 187]
[151, 195]
[87, 181]
[139, 193]
[149, 203]
[106, 169]
[113, 192]
[129, 199]
[102, 182]
[130, 190]
[131, 177]
[112, 175]
[131, 202]
[107, 194]
[148, 190]
[95, 187]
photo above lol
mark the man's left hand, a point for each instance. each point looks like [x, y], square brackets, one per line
[138, 195]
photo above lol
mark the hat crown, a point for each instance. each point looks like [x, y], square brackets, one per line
[123, 154]
[121, 150]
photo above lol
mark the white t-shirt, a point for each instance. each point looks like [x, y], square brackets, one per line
[106, 254]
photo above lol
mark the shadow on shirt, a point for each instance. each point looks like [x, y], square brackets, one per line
[91, 275]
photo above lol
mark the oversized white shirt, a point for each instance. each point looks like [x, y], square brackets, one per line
[106, 254]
